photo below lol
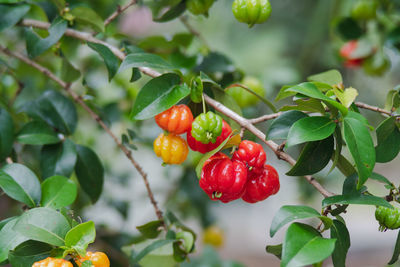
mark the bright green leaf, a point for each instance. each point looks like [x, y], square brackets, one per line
[331, 77]
[58, 192]
[37, 133]
[87, 16]
[136, 257]
[355, 199]
[347, 96]
[81, 236]
[148, 60]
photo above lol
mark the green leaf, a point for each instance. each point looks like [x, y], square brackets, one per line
[347, 96]
[9, 239]
[345, 166]
[338, 147]
[349, 29]
[55, 109]
[81, 236]
[206, 156]
[313, 158]
[111, 61]
[392, 100]
[331, 77]
[150, 229]
[136, 257]
[275, 250]
[29, 252]
[361, 147]
[136, 75]
[388, 136]
[396, 251]
[44, 225]
[157, 95]
[148, 60]
[37, 45]
[68, 72]
[60, 4]
[11, 14]
[37, 133]
[58, 192]
[6, 134]
[380, 178]
[341, 234]
[172, 13]
[284, 93]
[58, 159]
[188, 240]
[280, 126]
[310, 90]
[87, 16]
[312, 105]
[303, 245]
[355, 199]
[20, 183]
[310, 129]
[288, 214]
[90, 172]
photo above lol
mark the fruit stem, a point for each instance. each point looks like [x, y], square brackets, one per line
[204, 103]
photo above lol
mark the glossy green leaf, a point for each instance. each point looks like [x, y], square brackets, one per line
[288, 214]
[303, 245]
[20, 183]
[355, 199]
[313, 158]
[57, 192]
[148, 60]
[37, 133]
[331, 77]
[81, 236]
[55, 109]
[280, 126]
[275, 250]
[58, 159]
[9, 239]
[44, 225]
[87, 16]
[136, 257]
[347, 96]
[11, 14]
[361, 147]
[311, 105]
[6, 134]
[37, 45]
[29, 252]
[396, 251]
[111, 61]
[68, 72]
[388, 136]
[157, 95]
[310, 129]
[341, 234]
[151, 229]
[90, 172]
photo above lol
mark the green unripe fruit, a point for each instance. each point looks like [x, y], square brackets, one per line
[207, 127]
[244, 98]
[251, 11]
[364, 9]
[198, 7]
[387, 218]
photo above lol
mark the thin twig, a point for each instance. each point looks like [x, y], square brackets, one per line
[78, 99]
[265, 118]
[118, 12]
[189, 27]
[373, 108]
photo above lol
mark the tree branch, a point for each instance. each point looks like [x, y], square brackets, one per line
[373, 108]
[118, 12]
[265, 118]
[78, 99]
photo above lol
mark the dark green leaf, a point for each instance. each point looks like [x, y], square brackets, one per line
[349, 29]
[90, 172]
[55, 109]
[275, 250]
[44, 225]
[151, 229]
[341, 234]
[396, 251]
[20, 183]
[148, 60]
[345, 166]
[331, 77]
[136, 75]
[313, 158]
[288, 214]
[9, 239]
[60, 4]
[58, 192]
[111, 61]
[37, 133]
[136, 257]
[6, 134]
[380, 178]
[361, 147]
[280, 126]
[88, 16]
[304, 245]
[58, 159]
[215, 62]
[388, 136]
[68, 72]
[81, 236]
[355, 199]
[311, 105]
[338, 147]
[11, 14]
[37, 45]
[172, 13]
[157, 95]
[29, 252]
[310, 129]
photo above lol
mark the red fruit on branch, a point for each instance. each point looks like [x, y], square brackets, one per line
[204, 148]
[261, 186]
[346, 52]
[251, 154]
[177, 119]
[223, 179]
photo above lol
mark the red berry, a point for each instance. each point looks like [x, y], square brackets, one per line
[346, 52]
[204, 148]
[261, 186]
[223, 179]
[251, 154]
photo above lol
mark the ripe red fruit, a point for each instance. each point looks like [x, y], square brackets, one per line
[261, 186]
[204, 148]
[346, 51]
[223, 179]
[177, 119]
[251, 154]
